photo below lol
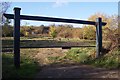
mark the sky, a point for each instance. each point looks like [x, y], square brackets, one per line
[70, 10]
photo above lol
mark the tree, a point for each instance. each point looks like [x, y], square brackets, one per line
[102, 15]
[78, 33]
[110, 30]
[112, 22]
[89, 32]
[65, 31]
[52, 31]
[3, 8]
[6, 29]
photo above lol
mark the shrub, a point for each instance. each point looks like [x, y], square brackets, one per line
[89, 33]
[53, 32]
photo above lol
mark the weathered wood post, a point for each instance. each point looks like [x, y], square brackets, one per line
[17, 37]
[98, 37]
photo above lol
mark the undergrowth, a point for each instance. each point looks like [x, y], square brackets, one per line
[82, 55]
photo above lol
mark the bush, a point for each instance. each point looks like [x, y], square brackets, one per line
[89, 32]
[52, 31]
[7, 31]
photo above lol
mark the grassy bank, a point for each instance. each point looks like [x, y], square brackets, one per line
[82, 55]
[87, 56]
[110, 60]
[28, 69]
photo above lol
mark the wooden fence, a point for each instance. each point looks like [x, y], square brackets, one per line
[17, 17]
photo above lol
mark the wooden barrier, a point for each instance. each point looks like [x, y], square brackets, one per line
[17, 17]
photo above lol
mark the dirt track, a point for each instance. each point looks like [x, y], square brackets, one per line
[69, 70]
[76, 71]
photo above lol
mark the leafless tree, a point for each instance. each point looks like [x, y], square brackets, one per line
[3, 8]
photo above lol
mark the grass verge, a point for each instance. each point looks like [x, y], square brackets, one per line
[28, 69]
[110, 61]
[82, 55]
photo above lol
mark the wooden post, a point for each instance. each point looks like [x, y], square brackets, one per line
[17, 37]
[98, 37]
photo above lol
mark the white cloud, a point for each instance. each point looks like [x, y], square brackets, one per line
[60, 3]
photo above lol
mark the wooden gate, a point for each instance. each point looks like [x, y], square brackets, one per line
[17, 17]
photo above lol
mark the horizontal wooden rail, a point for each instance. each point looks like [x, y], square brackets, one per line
[48, 46]
[51, 19]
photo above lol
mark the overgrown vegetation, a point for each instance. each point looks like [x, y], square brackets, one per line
[111, 60]
[77, 55]
[86, 56]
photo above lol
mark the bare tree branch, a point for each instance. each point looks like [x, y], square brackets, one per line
[3, 8]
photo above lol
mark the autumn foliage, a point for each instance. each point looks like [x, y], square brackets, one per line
[68, 31]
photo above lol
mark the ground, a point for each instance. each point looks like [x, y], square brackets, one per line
[49, 66]
[68, 69]
[76, 71]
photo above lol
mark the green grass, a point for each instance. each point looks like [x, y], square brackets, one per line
[110, 61]
[78, 54]
[82, 55]
[28, 69]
